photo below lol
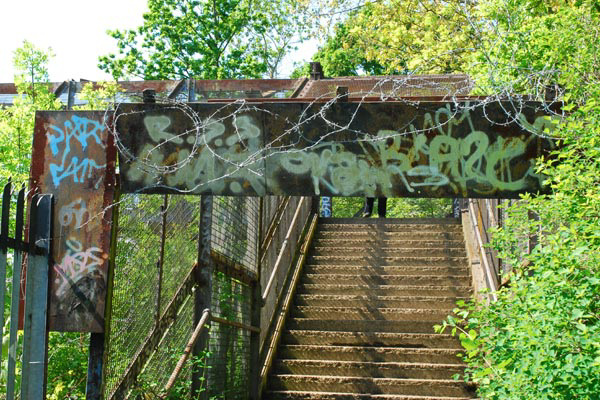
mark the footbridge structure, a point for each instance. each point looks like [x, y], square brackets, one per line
[192, 235]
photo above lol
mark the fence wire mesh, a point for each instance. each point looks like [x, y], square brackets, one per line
[229, 347]
[153, 379]
[234, 233]
[156, 248]
[157, 245]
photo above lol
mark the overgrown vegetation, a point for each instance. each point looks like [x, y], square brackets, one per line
[347, 207]
[541, 339]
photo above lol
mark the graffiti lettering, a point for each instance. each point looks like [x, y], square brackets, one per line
[219, 156]
[77, 264]
[326, 207]
[451, 151]
[77, 134]
[417, 162]
[74, 210]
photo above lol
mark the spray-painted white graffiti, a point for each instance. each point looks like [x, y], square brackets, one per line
[446, 152]
[73, 212]
[417, 162]
[69, 143]
[217, 156]
[77, 264]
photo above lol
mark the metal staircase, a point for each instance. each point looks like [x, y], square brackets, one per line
[361, 325]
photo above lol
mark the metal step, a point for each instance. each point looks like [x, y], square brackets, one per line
[316, 300]
[427, 387]
[332, 338]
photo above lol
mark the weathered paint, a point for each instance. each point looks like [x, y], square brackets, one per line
[430, 149]
[74, 159]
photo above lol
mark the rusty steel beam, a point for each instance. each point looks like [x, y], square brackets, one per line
[74, 158]
[213, 85]
[456, 149]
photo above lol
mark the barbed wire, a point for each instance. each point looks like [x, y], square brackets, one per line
[292, 135]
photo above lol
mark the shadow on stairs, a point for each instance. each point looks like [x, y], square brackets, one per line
[362, 322]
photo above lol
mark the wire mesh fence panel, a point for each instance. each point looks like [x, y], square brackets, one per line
[10, 287]
[229, 347]
[181, 243]
[153, 379]
[235, 230]
[157, 245]
[135, 281]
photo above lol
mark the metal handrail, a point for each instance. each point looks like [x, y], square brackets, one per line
[204, 319]
[282, 250]
[186, 352]
[281, 317]
[486, 266]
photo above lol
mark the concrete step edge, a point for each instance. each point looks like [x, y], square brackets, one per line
[334, 363]
[311, 395]
[365, 349]
[383, 310]
[425, 336]
[407, 381]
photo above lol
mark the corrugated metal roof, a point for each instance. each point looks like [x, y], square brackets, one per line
[391, 86]
[371, 86]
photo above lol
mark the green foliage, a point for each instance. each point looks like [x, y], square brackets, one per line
[347, 207]
[67, 365]
[16, 122]
[202, 39]
[525, 45]
[99, 95]
[541, 339]
[421, 36]
[146, 389]
[340, 55]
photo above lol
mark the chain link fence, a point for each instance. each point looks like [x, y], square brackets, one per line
[157, 247]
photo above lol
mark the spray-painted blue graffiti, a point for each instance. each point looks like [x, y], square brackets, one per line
[326, 208]
[81, 132]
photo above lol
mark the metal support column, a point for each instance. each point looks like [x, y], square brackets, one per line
[203, 294]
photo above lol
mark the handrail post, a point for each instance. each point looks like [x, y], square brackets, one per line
[186, 353]
[486, 266]
[203, 293]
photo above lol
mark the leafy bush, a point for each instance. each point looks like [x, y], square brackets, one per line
[541, 339]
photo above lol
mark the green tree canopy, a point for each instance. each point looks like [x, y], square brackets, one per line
[202, 39]
[16, 121]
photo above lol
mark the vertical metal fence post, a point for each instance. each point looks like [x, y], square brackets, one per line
[203, 294]
[71, 94]
[316, 205]
[161, 261]
[15, 298]
[256, 309]
[93, 389]
[3, 252]
[35, 339]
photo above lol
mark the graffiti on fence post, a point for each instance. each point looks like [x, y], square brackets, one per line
[326, 207]
[74, 159]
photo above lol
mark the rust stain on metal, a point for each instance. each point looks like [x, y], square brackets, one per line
[74, 159]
